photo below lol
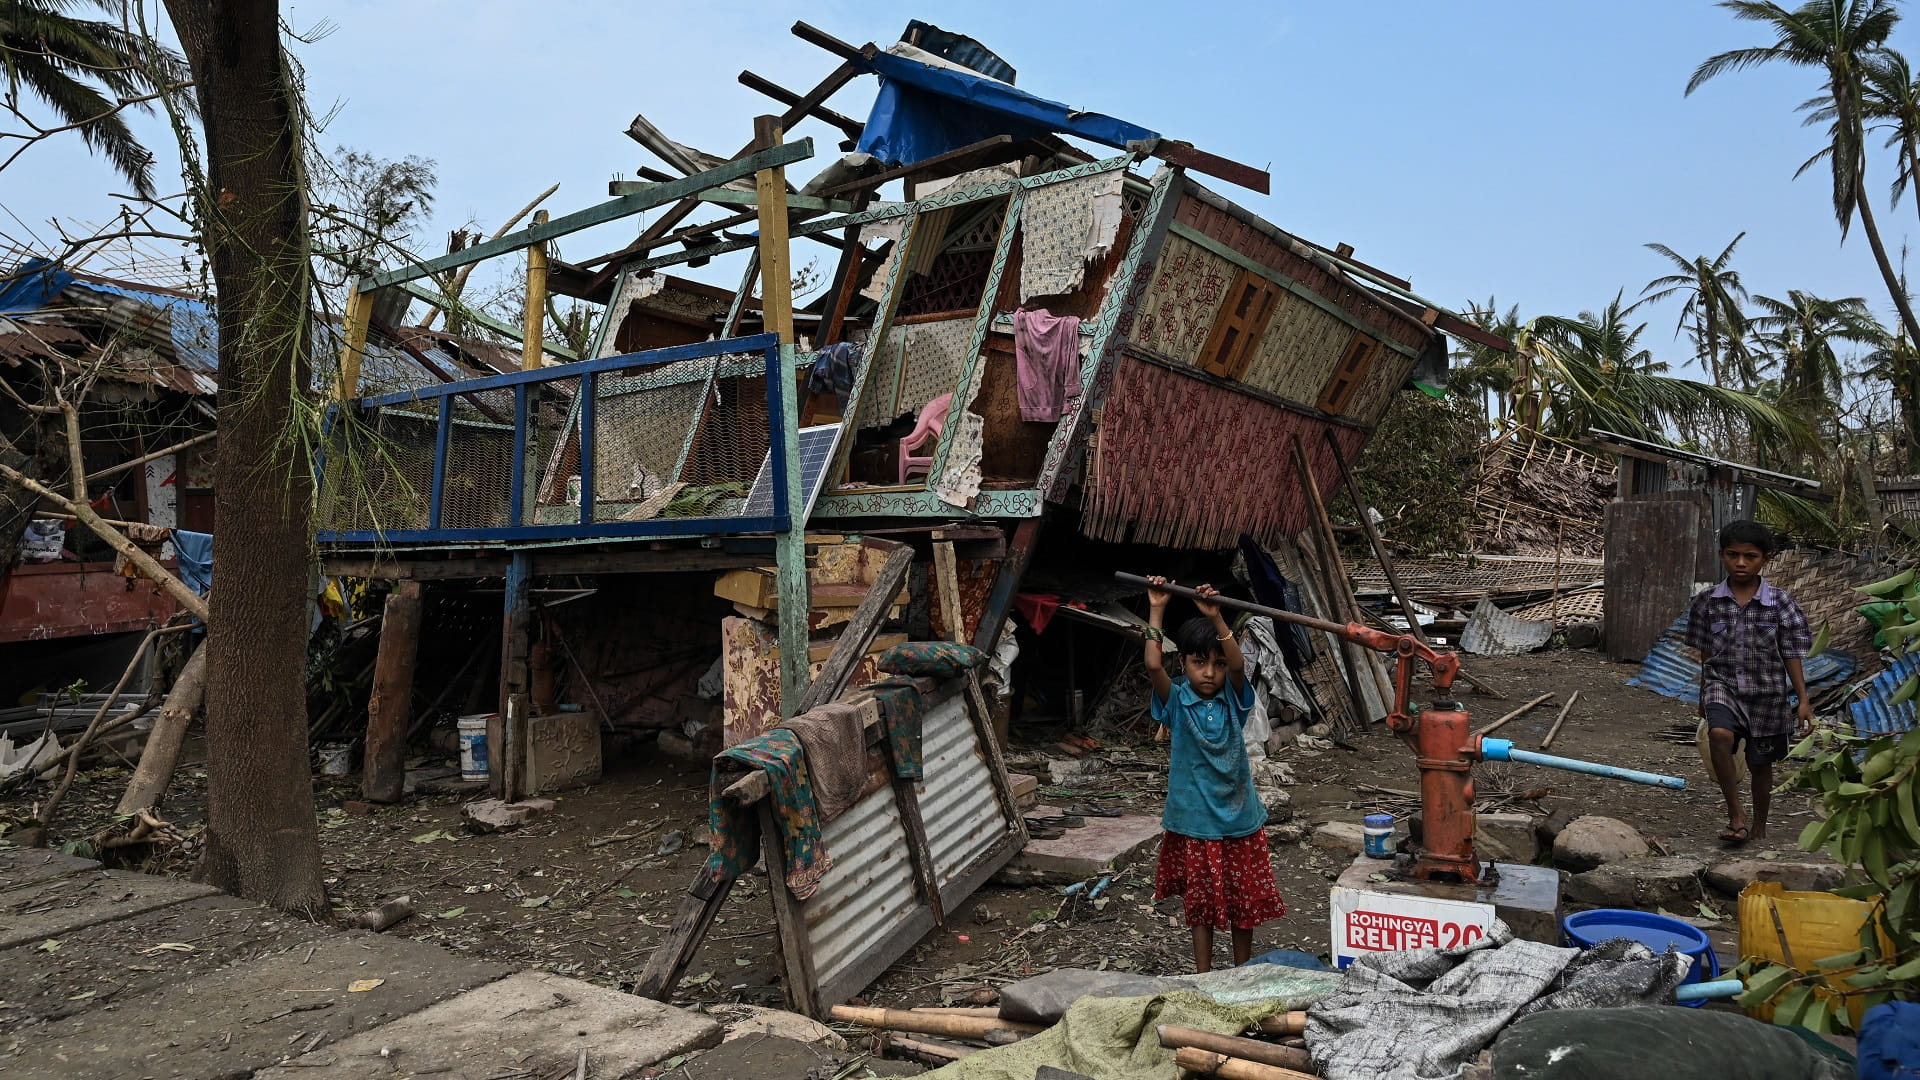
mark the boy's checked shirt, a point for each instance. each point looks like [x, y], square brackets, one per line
[1744, 653]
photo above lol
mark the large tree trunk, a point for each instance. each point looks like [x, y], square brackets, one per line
[262, 842]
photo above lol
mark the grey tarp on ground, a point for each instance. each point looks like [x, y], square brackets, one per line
[1656, 1044]
[1425, 1014]
[1043, 999]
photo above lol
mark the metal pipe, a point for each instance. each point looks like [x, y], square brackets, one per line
[1240, 605]
[1503, 750]
[1701, 991]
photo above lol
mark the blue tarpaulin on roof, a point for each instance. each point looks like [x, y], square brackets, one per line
[191, 323]
[923, 111]
[1671, 668]
[37, 282]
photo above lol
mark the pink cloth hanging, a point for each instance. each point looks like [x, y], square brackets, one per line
[1046, 351]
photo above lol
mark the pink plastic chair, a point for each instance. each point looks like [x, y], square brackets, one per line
[933, 417]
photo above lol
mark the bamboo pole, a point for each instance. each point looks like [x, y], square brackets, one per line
[1514, 715]
[188, 600]
[1208, 1063]
[115, 470]
[965, 1027]
[533, 344]
[1292, 1023]
[1558, 720]
[1174, 1037]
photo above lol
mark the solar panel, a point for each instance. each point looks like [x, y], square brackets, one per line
[817, 447]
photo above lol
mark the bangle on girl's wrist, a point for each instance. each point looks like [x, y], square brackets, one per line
[1156, 635]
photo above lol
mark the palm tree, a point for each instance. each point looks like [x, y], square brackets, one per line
[88, 72]
[1892, 99]
[1711, 315]
[1841, 39]
[1480, 371]
[1897, 362]
[1800, 334]
[1594, 374]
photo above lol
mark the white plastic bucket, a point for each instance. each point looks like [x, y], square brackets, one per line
[473, 747]
[336, 759]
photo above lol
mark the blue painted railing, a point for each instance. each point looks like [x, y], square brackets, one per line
[778, 382]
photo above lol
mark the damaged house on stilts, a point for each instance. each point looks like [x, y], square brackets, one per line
[729, 511]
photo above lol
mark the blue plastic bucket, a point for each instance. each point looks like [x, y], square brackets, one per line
[1586, 929]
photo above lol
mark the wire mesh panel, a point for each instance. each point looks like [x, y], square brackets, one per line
[623, 445]
[681, 440]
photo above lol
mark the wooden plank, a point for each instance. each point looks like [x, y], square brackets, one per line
[683, 938]
[773, 157]
[776, 307]
[636, 560]
[926, 879]
[1650, 551]
[1187, 156]
[790, 922]
[854, 641]
[818, 111]
[355, 322]
[533, 339]
[389, 706]
[982, 717]
[970, 156]
[947, 580]
[516, 682]
[1335, 581]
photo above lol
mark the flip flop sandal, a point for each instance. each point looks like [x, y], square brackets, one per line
[1735, 837]
[1090, 810]
[1044, 832]
[1060, 821]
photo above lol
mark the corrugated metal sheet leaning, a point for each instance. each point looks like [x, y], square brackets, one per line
[1872, 713]
[1673, 670]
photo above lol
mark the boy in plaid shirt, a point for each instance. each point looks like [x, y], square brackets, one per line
[1752, 638]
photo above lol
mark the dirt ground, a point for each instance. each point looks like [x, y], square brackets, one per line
[588, 890]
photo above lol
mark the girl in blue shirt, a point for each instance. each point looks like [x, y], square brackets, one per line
[1214, 853]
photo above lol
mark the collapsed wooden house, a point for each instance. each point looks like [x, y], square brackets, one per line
[1031, 333]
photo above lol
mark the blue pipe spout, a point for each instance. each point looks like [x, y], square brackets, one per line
[1503, 750]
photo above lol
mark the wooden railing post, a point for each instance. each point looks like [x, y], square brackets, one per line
[776, 306]
[533, 344]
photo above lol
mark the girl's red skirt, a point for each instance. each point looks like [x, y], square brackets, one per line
[1227, 884]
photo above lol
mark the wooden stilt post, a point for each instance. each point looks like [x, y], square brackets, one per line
[533, 344]
[388, 711]
[516, 682]
[776, 306]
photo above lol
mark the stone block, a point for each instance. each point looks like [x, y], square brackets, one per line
[1505, 838]
[1671, 882]
[1026, 789]
[55, 906]
[1279, 804]
[1732, 875]
[1102, 844]
[531, 1024]
[496, 815]
[1592, 841]
[255, 1014]
[27, 866]
[563, 751]
[743, 1020]
[1345, 837]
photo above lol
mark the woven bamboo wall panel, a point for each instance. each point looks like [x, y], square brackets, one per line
[1258, 246]
[1183, 463]
[1389, 374]
[1298, 352]
[1177, 313]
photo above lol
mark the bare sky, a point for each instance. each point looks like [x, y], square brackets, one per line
[1517, 149]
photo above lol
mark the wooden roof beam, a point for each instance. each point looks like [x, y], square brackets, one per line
[815, 109]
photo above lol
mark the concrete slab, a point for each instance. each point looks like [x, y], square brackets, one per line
[252, 1015]
[116, 960]
[761, 1055]
[28, 866]
[530, 1024]
[1526, 898]
[61, 905]
[1100, 845]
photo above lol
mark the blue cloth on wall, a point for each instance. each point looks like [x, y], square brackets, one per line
[194, 553]
[1210, 792]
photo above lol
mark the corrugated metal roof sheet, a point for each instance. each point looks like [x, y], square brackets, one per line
[1872, 713]
[1492, 632]
[1673, 670]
